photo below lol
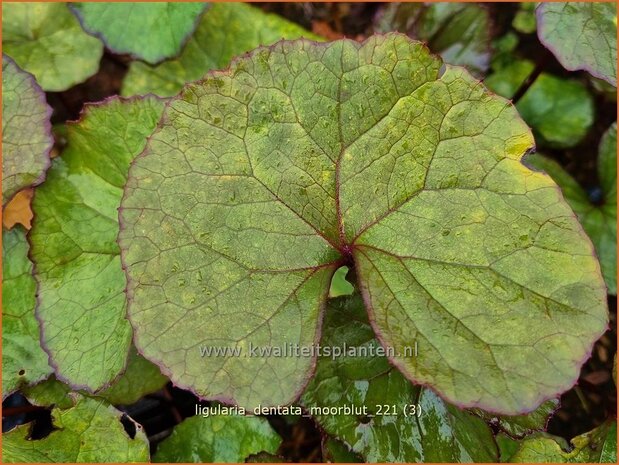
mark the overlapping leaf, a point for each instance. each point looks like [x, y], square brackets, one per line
[23, 360]
[46, 40]
[140, 378]
[599, 445]
[89, 431]
[218, 439]
[518, 426]
[262, 180]
[431, 431]
[26, 130]
[598, 216]
[149, 31]
[225, 31]
[560, 111]
[581, 35]
[459, 32]
[78, 269]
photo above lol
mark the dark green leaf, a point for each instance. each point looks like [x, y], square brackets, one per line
[460, 33]
[380, 430]
[560, 111]
[218, 439]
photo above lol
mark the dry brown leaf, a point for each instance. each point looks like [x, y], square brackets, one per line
[18, 210]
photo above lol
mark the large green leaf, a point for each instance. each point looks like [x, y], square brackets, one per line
[560, 111]
[598, 218]
[261, 180]
[149, 31]
[395, 421]
[598, 445]
[23, 360]
[226, 30]
[459, 32]
[90, 431]
[581, 35]
[77, 261]
[140, 378]
[26, 130]
[218, 439]
[46, 40]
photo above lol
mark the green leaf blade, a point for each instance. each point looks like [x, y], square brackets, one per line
[439, 433]
[225, 24]
[23, 360]
[90, 431]
[35, 34]
[26, 130]
[78, 268]
[581, 36]
[218, 439]
[303, 157]
[152, 32]
[495, 230]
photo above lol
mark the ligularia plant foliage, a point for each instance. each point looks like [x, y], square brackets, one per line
[275, 226]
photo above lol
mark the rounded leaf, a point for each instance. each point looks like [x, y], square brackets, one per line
[581, 35]
[46, 40]
[218, 439]
[23, 360]
[263, 179]
[148, 31]
[82, 304]
[26, 130]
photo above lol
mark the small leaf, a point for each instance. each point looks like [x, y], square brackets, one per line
[525, 20]
[430, 431]
[148, 31]
[560, 111]
[339, 285]
[598, 218]
[50, 393]
[261, 180]
[225, 31]
[46, 40]
[139, 379]
[218, 439]
[598, 445]
[90, 431]
[82, 302]
[26, 130]
[581, 36]
[460, 33]
[23, 360]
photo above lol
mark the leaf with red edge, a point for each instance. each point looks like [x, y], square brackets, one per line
[263, 179]
[581, 35]
[81, 299]
[26, 130]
